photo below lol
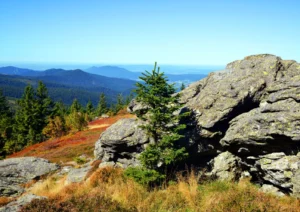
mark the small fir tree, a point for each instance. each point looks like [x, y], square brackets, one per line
[102, 105]
[76, 120]
[161, 125]
[120, 103]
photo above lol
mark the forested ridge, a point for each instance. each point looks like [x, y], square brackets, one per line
[37, 117]
[13, 86]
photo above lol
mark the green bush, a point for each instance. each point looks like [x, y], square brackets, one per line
[144, 176]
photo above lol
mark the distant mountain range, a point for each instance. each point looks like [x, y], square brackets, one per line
[85, 85]
[114, 71]
[64, 85]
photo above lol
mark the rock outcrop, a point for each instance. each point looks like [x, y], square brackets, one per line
[16, 171]
[121, 143]
[251, 109]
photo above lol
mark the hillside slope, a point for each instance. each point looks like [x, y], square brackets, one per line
[66, 148]
[13, 87]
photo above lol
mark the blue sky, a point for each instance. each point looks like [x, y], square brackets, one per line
[141, 32]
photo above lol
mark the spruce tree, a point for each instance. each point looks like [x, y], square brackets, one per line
[75, 107]
[5, 124]
[89, 107]
[102, 105]
[161, 125]
[32, 115]
[56, 126]
[76, 120]
[120, 104]
[44, 107]
[26, 119]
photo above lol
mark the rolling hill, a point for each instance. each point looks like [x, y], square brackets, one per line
[65, 85]
[115, 71]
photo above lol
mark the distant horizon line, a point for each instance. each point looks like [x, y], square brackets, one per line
[105, 63]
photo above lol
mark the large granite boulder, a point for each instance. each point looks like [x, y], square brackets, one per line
[252, 107]
[16, 171]
[121, 143]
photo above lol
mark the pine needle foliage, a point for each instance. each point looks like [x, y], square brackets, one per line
[162, 125]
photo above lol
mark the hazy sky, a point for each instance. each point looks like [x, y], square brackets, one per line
[168, 31]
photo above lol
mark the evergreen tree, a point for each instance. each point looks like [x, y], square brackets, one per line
[5, 124]
[75, 107]
[102, 105]
[26, 120]
[161, 125]
[120, 104]
[56, 126]
[44, 108]
[89, 107]
[59, 109]
[35, 107]
[76, 120]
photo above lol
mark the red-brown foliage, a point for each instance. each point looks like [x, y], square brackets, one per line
[66, 148]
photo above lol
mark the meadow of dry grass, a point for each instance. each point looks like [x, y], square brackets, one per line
[66, 148]
[108, 190]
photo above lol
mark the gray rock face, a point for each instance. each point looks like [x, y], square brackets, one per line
[121, 143]
[252, 106]
[296, 184]
[279, 170]
[78, 175]
[16, 171]
[18, 204]
[226, 166]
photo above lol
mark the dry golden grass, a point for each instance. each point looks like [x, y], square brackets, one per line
[110, 185]
[50, 187]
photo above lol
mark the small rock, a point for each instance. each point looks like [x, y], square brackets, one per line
[226, 166]
[78, 175]
[266, 188]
